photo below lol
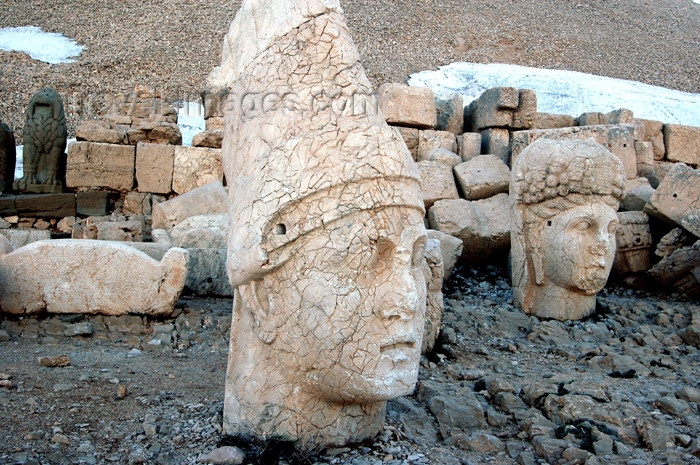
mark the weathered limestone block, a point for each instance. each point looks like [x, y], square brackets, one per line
[91, 164]
[154, 133]
[208, 138]
[483, 226]
[214, 123]
[154, 167]
[142, 104]
[565, 195]
[552, 121]
[591, 118]
[450, 247]
[496, 142]
[429, 140]
[153, 250]
[433, 269]
[45, 136]
[207, 272]
[46, 205]
[437, 182]
[619, 116]
[195, 167]
[654, 133]
[645, 159]
[101, 131]
[138, 203]
[326, 234]
[21, 237]
[677, 194]
[482, 177]
[691, 223]
[201, 232]
[122, 231]
[469, 145]
[77, 276]
[91, 203]
[682, 143]
[672, 241]
[619, 139]
[502, 107]
[410, 136]
[639, 191]
[441, 156]
[210, 198]
[661, 168]
[634, 243]
[450, 114]
[403, 105]
[8, 158]
[679, 271]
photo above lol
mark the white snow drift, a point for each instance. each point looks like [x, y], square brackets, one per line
[49, 47]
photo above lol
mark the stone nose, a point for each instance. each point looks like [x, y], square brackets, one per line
[601, 242]
[399, 296]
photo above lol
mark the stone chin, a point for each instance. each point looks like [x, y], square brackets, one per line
[593, 280]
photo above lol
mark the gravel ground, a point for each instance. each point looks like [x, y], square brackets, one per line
[171, 45]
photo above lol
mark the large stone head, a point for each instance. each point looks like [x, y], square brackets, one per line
[326, 232]
[566, 194]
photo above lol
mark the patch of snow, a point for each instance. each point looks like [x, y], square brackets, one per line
[567, 92]
[49, 47]
[19, 166]
[190, 119]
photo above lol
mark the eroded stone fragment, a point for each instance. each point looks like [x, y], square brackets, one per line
[682, 143]
[502, 107]
[403, 105]
[210, 198]
[450, 247]
[634, 243]
[438, 182]
[326, 233]
[469, 145]
[84, 276]
[482, 177]
[565, 196]
[450, 114]
[202, 231]
[434, 272]
[639, 191]
[154, 167]
[677, 195]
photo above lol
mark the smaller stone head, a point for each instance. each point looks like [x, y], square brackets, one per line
[566, 194]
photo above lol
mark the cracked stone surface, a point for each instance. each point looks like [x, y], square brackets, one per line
[87, 276]
[326, 234]
[565, 196]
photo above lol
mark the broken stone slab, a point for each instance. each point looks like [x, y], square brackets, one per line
[619, 139]
[46, 205]
[450, 248]
[120, 231]
[502, 107]
[201, 231]
[212, 139]
[672, 241]
[429, 140]
[434, 272]
[83, 276]
[619, 116]
[441, 156]
[679, 271]
[482, 177]
[91, 203]
[691, 223]
[676, 196]
[591, 118]
[634, 243]
[645, 160]
[653, 132]
[154, 132]
[553, 121]
[207, 199]
[496, 141]
[195, 167]
[21, 237]
[437, 182]
[154, 167]
[450, 114]
[100, 131]
[638, 193]
[682, 143]
[404, 105]
[92, 164]
[469, 145]
[138, 203]
[482, 225]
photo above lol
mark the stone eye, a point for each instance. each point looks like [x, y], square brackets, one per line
[583, 225]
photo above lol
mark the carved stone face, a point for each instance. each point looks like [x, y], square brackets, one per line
[578, 247]
[350, 306]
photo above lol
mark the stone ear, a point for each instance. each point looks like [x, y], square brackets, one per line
[258, 302]
[538, 266]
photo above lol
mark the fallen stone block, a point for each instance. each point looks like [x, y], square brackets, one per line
[450, 114]
[634, 243]
[682, 143]
[502, 107]
[21, 237]
[437, 182]
[482, 177]
[46, 205]
[619, 139]
[403, 105]
[677, 195]
[483, 225]
[201, 232]
[78, 276]
[552, 121]
[691, 223]
[441, 156]
[92, 164]
[450, 248]
[210, 198]
[639, 191]
[645, 159]
[679, 271]
[430, 140]
[154, 167]
[496, 142]
[654, 133]
[91, 203]
[195, 167]
[138, 203]
[212, 139]
[469, 145]
[619, 116]
[207, 273]
[121, 231]
[591, 118]
[100, 131]
[672, 241]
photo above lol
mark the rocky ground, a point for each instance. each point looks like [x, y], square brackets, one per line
[171, 45]
[500, 388]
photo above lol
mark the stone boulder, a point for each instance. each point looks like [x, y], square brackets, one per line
[208, 199]
[79, 276]
[677, 195]
[437, 182]
[450, 248]
[679, 271]
[210, 138]
[639, 191]
[469, 145]
[450, 114]
[201, 232]
[410, 136]
[207, 273]
[429, 140]
[403, 105]
[483, 226]
[441, 156]
[121, 231]
[100, 131]
[482, 177]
